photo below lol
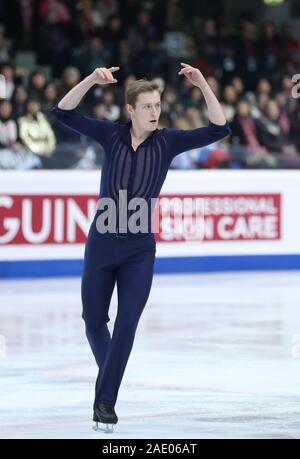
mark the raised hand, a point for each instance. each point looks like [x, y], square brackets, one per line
[193, 74]
[102, 75]
[215, 112]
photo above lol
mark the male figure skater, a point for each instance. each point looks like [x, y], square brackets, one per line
[137, 159]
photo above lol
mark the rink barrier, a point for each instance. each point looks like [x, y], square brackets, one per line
[251, 221]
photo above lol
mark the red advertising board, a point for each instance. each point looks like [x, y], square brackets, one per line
[65, 219]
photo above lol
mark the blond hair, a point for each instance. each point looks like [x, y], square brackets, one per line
[138, 87]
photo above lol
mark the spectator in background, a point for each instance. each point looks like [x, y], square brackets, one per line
[229, 101]
[271, 132]
[227, 63]
[8, 126]
[112, 34]
[85, 21]
[36, 84]
[194, 99]
[215, 155]
[125, 59]
[54, 9]
[140, 34]
[294, 132]
[7, 70]
[18, 100]
[207, 43]
[148, 38]
[149, 62]
[291, 48]
[94, 55]
[270, 51]
[285, 115]
[261, 102]
[50, 96]
[247, 53]
[35, 131]
[170, 106]
[103, 10]
[27, 29]
[112, 112]
[264, 86]
[13, 155]
[52, 41]
[194, 117]
[5, 46]
[71, 76]
[286, 86]
[246, 136]
[238, 85]
[99, 111]
[244, 128]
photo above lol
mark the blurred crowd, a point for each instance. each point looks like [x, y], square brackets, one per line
[249, 67]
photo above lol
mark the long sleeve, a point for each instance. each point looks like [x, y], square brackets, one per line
[99, 130]
[180, 140]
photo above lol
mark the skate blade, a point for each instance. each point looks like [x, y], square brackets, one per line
[107, 429]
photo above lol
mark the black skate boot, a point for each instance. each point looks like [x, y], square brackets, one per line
[104, 413]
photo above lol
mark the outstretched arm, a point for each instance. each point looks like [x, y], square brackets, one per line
[215, 111]
[65, 113]
[101, 76]
[179, 140]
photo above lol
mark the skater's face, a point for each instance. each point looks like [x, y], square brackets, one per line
[145, 115]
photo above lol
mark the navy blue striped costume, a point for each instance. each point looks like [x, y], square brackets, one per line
[126, 261]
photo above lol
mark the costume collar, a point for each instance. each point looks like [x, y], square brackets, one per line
[126, 136]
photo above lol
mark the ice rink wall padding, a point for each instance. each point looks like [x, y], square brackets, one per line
[205, 221]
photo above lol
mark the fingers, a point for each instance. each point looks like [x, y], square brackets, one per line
[186, 69]
[106, 75]
[114, 69]
[111, 70]
[100, 73]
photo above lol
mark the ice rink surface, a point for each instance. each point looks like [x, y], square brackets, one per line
[215, 356]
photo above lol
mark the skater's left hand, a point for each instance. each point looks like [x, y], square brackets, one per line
[193, 74]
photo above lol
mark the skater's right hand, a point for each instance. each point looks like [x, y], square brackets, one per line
[102, 75]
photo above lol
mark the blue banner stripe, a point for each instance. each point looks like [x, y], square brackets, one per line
[60, 268]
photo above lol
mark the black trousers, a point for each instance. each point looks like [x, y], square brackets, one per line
[129, 263]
